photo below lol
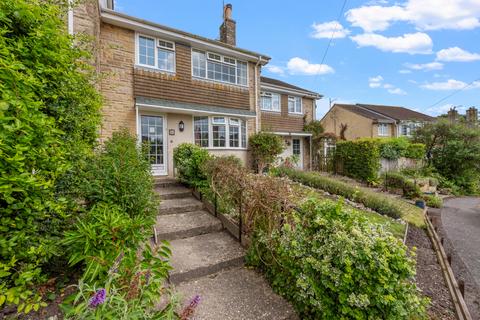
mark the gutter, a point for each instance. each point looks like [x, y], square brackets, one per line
[257, 124]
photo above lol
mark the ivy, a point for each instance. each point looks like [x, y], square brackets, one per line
[265, 148]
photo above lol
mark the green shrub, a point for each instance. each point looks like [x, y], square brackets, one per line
[189, 159]
[433, 201]
[120, 174]
[265, 148]
[415, 151]
[398, 181]
[49, 112]
[360, 159]
[378, 202]
[333, 264]
[393, 148]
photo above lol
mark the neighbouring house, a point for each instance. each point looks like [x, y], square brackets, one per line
[169, 87]
[353, 121]
[470, 117]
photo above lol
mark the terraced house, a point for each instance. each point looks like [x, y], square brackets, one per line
[169, 86]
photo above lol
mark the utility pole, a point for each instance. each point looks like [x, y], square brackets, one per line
[330, 101]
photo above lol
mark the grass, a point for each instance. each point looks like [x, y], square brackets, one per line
[382, 203]
[396, 228]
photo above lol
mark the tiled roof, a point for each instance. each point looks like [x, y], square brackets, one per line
[398, 113]
[386, 113]
[278, 83]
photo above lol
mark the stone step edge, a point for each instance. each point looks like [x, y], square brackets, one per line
[189, 233]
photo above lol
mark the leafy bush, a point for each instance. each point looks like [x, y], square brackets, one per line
[433, 201]
[360, 159]
[133, 289]
[378, 202]
[49, 112]
[454, 151]
[332, 264]
[415, 151]
[189, 159]
[393, 148]
[265, 148]
[399, 181]
[117, 188]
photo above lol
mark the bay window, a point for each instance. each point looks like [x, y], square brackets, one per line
[213, 66]
[220, 132]
[294, 104]
[270, 101]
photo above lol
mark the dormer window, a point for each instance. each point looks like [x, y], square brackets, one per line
[216, 67]
[156, 53]
[294, 104]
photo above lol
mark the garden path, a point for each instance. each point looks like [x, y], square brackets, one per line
[208, 262]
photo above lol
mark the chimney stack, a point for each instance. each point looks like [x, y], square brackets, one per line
[472, 116]
[452, 115]
[228, 27]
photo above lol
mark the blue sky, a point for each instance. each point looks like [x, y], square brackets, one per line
[409, 52]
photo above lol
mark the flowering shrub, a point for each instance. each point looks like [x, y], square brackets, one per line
[265, 148]
[135, 288]
[332, 264]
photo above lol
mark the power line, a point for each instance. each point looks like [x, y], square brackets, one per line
[334, 31]
[454, 93]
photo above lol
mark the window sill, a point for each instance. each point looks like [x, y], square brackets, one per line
[153, 69]
[225, 149]
[271, 111]
[296, 113]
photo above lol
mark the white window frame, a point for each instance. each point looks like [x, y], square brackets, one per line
[271, 95]
[210, 56]
[227, 122]
[157, 47]
[381, 131]
[294, 98]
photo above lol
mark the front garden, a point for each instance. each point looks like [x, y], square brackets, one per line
[327, 257]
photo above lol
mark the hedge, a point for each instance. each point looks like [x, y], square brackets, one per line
[359, 159]
[378, 202]
[399, 181]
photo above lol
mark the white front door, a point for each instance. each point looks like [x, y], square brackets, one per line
[152, 128]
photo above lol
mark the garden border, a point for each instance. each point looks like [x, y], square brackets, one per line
[461, 308]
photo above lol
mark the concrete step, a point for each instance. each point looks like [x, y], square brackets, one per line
[187, 204]
[166, 182]
[173, 192]
[202, 255]
[185, 225]
[237, 293]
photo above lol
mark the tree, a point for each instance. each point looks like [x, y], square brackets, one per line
[265, 147]
[453, 150]
[49, 113]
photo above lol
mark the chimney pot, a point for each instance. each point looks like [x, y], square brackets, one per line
[227, 14]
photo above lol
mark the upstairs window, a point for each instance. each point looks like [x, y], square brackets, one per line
[213, 66]
[383, 129]
[294, 104]
[270, 101]
[156, 53]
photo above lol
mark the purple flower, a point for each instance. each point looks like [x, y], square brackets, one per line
[98, 298]
[195, 301]
[190, 309]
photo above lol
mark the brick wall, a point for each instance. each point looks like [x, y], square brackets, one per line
[285, 122]
[183, 88]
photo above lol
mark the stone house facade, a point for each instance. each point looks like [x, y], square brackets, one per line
[372, 121]
[169, 87]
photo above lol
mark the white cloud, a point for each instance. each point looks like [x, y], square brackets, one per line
[450, 84]
[405, 71]
[397, 91]
[331, 29]
[301, 66]
[425, 66]
[412, 43]
[275, 69]
[423, 14]
[377, 82]
[457, 54]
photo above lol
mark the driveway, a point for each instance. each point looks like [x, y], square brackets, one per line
[461, 221]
